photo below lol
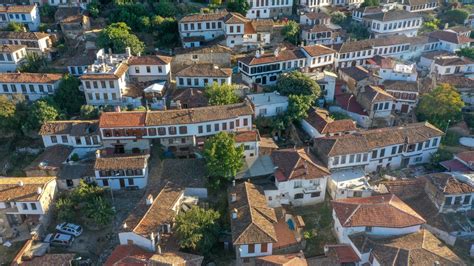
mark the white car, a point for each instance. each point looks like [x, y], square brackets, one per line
[69, 228]
[59, 239]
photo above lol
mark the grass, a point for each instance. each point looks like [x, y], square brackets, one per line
[318, 229]
[7, 254]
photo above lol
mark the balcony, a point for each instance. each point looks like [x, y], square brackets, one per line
[310, 189]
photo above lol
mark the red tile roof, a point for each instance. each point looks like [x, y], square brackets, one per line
[247, 136]
[342, 253]
[296, 164]
[321, 120]
[379, 211]
[454, 166]
[128, 253]
[122, 119]
[349, 103]
[150, 60]
[448, 184]
[282, 260]
[467, 157]
[284, 55]
[318, 50]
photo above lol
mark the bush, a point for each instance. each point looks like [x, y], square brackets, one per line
[451, 138]
[65, 210]
[74, 157]
[456, 16]
[89, 112]
[339, 116]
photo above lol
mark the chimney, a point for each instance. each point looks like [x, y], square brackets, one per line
[20, 183]
[158, 249]
[233, 197]
[97, 154]
[257, 53]
[149, 200]
[117, 109]
[276, 52]
[125, 226]
[268, 98]
[39, 190]
[110, 51]
[234, 214]
[233, 183]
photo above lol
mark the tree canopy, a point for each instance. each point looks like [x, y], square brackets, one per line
[68, 97]
[440, 105]
[221, 94]
[223, 158]
[118, 36]
[467, 52]
[41, 111]
[7, 113]
[291, 32]
[298, 106]
[370, 3]
[198, 229]
[456, 16]
[15, 27]
[298, 83]
[338, 17]
[239, 6]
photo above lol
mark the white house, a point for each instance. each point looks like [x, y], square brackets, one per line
[149, 68]
[405, 93]
[36, 42]
[378, 104]
[452, 65]
[313, 5]
[318, 56]
[157, 222]
[382, 215]
[200, 75]
[393, 22]
[319, 123]
[419, 5]
[349, 183]
[32, 86]
[347, 3]
[250, 140]
[26, 201]
[11, 57]
[318, 29]
[75, 133]
[451, 41]
[249, 210]
[391, 147]
[268, 104]
[28, 15]
[388, 68]
[269, 8]
[118, 171]
[299, 179]
[106, 82]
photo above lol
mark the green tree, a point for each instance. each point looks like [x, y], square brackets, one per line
[223, 158]
[86, 192]
[94, 8]
[65, 210]
[221, 94]
[357, 30]
[298, 106]
[47, 12]
[198, 229]
[118, 36]
[34, 64]
[7, 114]
[239, 6]
[467, 52]
[41, 111]
[166, 31]
[440, 105]
[456, 16]
[100, 211]
[297, 83]
[89, 112]
[291, 32]
[68, 97]
[338, 18]
[165, 8]
[15, 27]
[370, 3]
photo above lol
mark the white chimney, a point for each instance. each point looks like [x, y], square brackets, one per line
[117, 109]
[257, 53]
[233, 183]
[97, 154]
[276, 52]
[234, 214]
[39, 190]
[149, 200]
[20, 183]
[128, 51]
[233, 197]
[158, 249]
[125, 226]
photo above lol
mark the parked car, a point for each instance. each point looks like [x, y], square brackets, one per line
[69, 228]
[59, 239]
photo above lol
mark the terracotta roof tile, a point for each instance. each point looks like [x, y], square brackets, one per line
[374, 94]
[392, 15]
[17, 9]
[10, 48]
[449, 36]
[317, 15]
[318, 50]
[191, 97]
[176, 258]
[234, 18]
[377, 211]
[125, 162]
[149, 60]
[322, 121]
[284, 55]
[51, 158]
[204, 17]
[452, 61]
[255, 220]
[23, 35]
[11, 190]
[296, 164]
[29, 78]
[342, 253]
[420, 248]
[118, 73]
[457, 81]
[122, 119]
[282, 260]
[204, 70]
[122, 252]
[400, 85]
[247, 136]
[466, 156]
[448, 184]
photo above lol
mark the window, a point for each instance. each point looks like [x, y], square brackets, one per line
[382, 152]
[394, 150]
[435, 142]
[183, 130]
[419, 146]
[374, 154]
[137, 70]
[343, 159]
[105, 183]
[336, 160]
[467, 199]
[427, 143]
[299, 195]
[351, 158]
[264, 247]
[200, 130]
[251, 248]
[224, 126]
[297, 184]
[131, 182]
[54, 139]
[111, 84]
[24, 206]
[148, 69]
[33, 206]
[64, 139]
[400, 149]
[172, 130]
[246, 122]
[358, 158]
[365, 157]
[315, 194]
[216, 127]
[368, 228]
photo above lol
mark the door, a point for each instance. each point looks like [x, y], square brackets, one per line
[404, 108]
[264, 80]
[258, 13]
[405, 162]
[122, 183]
[119, 149]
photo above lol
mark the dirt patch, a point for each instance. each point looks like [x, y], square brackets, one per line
[8, 253]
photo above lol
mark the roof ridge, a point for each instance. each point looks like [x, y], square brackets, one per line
[352, 214]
